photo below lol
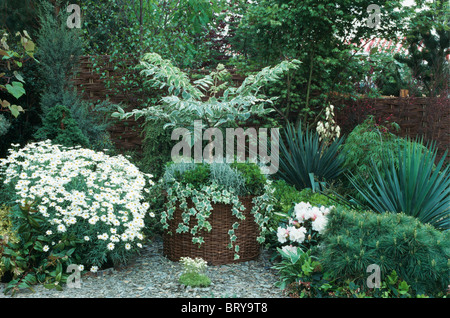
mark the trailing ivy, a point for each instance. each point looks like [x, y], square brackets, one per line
[203, 191]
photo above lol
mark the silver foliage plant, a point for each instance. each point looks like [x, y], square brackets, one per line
[220, 173]
[186, 101]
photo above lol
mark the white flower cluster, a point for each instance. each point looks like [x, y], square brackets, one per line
[296, 230]
[74, 185]
[328, 130]
[197, 265]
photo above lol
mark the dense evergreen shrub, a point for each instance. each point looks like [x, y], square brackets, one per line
[61, 128]
[254, 179]
[59, 49]
[93, 119]
[417, 252]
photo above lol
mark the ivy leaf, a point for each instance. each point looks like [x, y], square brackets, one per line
[15, 110]
[16, 89]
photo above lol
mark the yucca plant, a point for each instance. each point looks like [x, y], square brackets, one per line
[305, 160]
[417, 187]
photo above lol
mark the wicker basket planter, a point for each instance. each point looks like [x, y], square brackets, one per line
[215, 249]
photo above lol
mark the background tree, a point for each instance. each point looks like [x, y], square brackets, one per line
[324, 35]
[428, 43]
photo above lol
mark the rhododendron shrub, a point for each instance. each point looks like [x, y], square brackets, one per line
[303, 227]
[94, 198]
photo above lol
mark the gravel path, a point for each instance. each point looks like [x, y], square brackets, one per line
[154, 276]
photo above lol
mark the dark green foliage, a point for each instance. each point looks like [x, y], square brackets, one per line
[94, 119]
[59, 126]
[18, 15]
[417, 252]
[25, 258]
[365, 146]
[304, 159]
[197, 177]
[389, 74]
[311, 31]
[59, 49]
[79, 123]
[241, 178]
[91, 120]
[157, 146]
[177, 30]
[254, 179]
[428, 44]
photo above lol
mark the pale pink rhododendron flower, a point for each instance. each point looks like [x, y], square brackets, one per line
[307, 220]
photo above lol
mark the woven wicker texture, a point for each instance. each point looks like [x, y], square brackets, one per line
[215, 248]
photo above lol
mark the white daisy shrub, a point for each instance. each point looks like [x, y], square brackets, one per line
[90, 196]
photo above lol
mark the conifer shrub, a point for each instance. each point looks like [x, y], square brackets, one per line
[61, 128]
[418, 252]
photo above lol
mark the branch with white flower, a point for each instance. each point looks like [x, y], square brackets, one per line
[328, 130]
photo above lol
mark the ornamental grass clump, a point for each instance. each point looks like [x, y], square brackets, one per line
[95, 199]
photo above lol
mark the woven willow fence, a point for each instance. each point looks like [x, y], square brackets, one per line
[427, 117]
[90, 84]
[424, 117]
